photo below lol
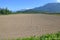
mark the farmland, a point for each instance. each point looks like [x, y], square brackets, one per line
[24, 25]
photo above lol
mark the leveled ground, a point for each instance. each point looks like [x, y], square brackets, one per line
[23, 25]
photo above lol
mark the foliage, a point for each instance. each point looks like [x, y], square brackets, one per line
[52, 36]
[5, 11]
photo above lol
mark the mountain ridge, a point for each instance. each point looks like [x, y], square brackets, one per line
[50, 8]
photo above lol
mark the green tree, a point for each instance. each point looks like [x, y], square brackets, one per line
[5, 11]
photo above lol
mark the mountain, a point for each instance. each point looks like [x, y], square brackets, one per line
[50, 8]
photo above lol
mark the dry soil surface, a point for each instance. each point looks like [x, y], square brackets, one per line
[23, 25]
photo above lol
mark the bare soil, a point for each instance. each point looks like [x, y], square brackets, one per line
[24, 25]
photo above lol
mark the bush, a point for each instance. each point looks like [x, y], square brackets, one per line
[52, 36]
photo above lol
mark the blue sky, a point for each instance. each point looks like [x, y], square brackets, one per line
[24, 4]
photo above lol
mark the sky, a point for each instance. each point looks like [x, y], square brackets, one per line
[15, 5]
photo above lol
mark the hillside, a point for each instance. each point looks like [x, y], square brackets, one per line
[50, 8]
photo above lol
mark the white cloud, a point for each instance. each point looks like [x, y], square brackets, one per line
[58, 1]
[27, 8]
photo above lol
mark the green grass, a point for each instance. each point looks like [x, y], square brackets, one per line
[52, 36]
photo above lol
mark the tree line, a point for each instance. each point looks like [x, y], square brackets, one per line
[5, 11]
